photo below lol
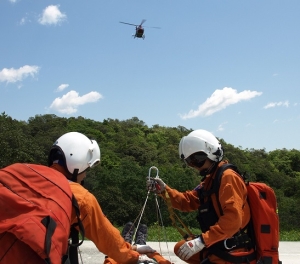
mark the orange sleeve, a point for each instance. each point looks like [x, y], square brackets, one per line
[183, 201]
[236, 211]
[99, 229]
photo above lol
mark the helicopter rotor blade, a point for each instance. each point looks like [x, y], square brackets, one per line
[128, 24]
[143, 21]
[152, 27]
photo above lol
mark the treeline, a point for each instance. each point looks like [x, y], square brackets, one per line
[129, 148]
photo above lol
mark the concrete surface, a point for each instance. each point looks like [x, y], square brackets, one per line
[289, 252]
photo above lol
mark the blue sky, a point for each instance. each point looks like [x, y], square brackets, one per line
[231, 67]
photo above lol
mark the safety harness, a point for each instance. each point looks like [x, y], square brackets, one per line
[207, 216]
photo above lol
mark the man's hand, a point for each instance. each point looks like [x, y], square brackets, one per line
[144, 259]
[191, 247]
[155, 185]
[143, 249]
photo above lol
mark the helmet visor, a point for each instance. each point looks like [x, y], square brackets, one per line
[196, 160]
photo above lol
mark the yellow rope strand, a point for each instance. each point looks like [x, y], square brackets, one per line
[173, 216]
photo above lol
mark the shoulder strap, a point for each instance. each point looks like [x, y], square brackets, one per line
[222, 169]
[217, 181]
[73, 250]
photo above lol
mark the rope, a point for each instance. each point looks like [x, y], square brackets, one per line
[162, 224]
[159, 216]
[141, 215]
[174, 217]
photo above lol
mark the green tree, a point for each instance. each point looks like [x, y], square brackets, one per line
[129, 148]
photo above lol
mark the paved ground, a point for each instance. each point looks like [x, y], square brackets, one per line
[289, 252]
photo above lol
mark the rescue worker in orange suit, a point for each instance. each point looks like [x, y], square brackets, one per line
[202, 151]
[72, 154]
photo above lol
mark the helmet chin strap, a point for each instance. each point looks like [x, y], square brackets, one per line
[209, 170]
[74, 175]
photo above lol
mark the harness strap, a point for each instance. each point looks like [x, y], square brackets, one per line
[218, 182]
[73, 248]
[50, 225]
[79, 222]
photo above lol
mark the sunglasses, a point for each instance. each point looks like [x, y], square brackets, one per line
[196, 160]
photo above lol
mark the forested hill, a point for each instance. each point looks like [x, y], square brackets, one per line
[129, 148]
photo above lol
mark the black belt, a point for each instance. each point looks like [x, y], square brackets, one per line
[239, 240]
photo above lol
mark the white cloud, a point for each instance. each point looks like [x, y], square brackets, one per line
[274, 104]
[14, 75]
[52, 15]
[221, 126]
[62, 87]
[23, 21]
[70, 102]
[13, 1]
[219, 100]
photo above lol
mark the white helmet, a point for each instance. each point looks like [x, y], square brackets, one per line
[201, 141]
[76, 151]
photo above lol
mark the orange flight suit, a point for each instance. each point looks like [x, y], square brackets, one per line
[233, 200]
[99, 229]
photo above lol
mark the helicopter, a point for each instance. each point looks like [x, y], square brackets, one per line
[139, 30]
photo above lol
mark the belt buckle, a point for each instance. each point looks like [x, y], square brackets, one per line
[225, 245]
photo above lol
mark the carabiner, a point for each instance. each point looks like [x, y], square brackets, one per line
[151, 179]
[149, 175]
